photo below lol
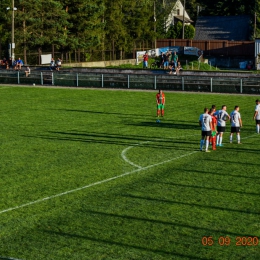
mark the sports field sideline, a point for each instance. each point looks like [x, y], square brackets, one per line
[89, 174]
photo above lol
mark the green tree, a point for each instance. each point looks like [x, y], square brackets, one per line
[87, 18]
[39, 24]
[175, 31]
[189, 31]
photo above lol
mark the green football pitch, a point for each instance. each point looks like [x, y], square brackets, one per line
[89, 174]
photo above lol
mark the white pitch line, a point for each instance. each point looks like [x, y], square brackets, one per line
[249, 136]
[99, 182]
[9, 258]
[94, 184]
[123, 154]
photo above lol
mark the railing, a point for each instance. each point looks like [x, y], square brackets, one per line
[246, 85]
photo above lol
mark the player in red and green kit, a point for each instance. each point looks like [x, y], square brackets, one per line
[160, 100]
[213, 137]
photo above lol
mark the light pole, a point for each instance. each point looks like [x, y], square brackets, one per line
[13, 44]
[154, 23]
[183, 20]
[12, 47]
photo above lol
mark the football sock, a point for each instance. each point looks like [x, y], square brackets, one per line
[238, 138]
[257, 129]
[217, 139]
[201, 144]
[163, 112]
[207, 144]
[220, 140]
[230, 138]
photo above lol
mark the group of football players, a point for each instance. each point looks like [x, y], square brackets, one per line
[213, 125]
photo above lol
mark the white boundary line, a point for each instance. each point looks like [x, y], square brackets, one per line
[103, 181]
[249, 136]
[9, 258]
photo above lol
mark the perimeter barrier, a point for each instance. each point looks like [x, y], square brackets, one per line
[243, 85]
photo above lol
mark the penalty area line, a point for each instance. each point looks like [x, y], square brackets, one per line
[93, 184]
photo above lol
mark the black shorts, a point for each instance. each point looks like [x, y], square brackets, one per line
[235, 129]
[205, 133]
[221, 129]
[257, 122]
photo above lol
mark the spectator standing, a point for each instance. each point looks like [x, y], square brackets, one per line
[162, 59]
[166, 61]
[145, 60]
[175, 59]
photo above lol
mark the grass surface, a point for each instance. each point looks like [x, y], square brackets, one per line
[89, 174]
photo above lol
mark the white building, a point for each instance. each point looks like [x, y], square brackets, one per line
[177, 15]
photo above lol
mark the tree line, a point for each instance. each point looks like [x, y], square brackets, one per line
[99, 25]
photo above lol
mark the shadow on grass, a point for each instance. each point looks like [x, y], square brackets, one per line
[156, 221]
[105, 113]
[195, 205]
[219, 174]
[165, 124]
[205, 188]
[121, 244]
[104, 138]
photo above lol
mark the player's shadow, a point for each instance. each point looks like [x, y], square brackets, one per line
[201, 188]
[249, 211]
[104, 113]
[98, 238]
[167, 124]
[158, 221]
[219, 174]
[116, 139]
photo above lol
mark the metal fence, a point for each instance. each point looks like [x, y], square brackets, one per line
[246, 85]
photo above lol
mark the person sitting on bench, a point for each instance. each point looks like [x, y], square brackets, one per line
[27, 71]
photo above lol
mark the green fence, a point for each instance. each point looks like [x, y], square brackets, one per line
[247, 85]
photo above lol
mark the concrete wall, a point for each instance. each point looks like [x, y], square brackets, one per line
[101, 64]
[161, 73]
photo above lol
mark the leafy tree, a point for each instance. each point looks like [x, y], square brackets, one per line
[175, 31]
[189, 31]
[86, 18]
[39, 23]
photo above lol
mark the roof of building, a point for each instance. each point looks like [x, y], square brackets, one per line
[186, 19]
[236, 28]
